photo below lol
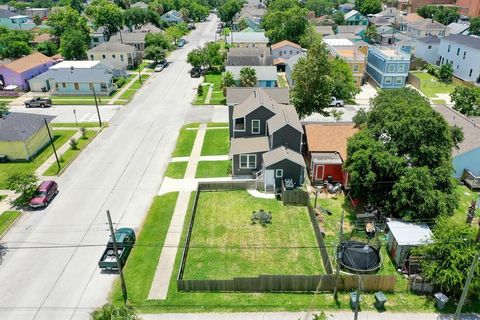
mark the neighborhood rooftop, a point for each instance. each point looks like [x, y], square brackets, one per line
[112, 47]
[246, 145]
[471, 42]
[28, 62]
[430, 40]
[251, 37]
[409, 233]
[17, 126]
[236, 95]
[283, 43]
[84, 64]
[287, 115]
[322, 137]
[282, 153]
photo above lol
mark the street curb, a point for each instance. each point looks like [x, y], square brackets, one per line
[13, 223]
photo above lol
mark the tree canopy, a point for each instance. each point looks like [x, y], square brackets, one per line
[106, 14]
[48, 48]
[344, 86]
[71, 47]
[400, 160]
[208, 56]
[466, 100]
[289, 24]
[442, 14]
[320, 7]
[447, 260]
[248, 77]
[368, 6]
[228, 10]
[474, 27]
[65, 19]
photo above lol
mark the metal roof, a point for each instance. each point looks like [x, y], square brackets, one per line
[409, 233]
[249, 145]
[17, 126]
[456, 28]
[282, 153]
[468, 41]
[326, 158]
[84, 64]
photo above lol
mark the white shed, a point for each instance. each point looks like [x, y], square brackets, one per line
[403, 235]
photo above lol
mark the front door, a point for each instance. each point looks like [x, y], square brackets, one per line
[269, 178]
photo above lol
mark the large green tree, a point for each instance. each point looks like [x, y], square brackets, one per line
[136, 17]
[71, 47]
[228, 10]
[320, 7]
[67, 18]
[158, 40]
[155, 53]
[24, 184]
[368, 6]
[401, 158]
[48, 48]
[442, 14]
[447, 260]
[474, 27]
[288, 24]
[281, 5]
[106, 14]
[466, 100]
[14, 43]
[344, 86]
[445, 73]
[313, 81]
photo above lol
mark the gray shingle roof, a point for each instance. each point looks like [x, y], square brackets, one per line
[236, 95]
[255, 100]
[262, 72]
[129, 37]
[287, 115]
[427, 24]
[17, 126]
[282, 153]
[430, 40]
[471, 42]
[113, 47]
[247, 37]
[249, 145]
[249, 61]
[351, 29]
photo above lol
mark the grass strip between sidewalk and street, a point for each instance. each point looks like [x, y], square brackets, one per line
[185, 142]
[79, 125]
[7, 218]
[70, 154]
[176, 170]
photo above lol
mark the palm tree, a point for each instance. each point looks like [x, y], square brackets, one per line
[227, 81]
[248, 77]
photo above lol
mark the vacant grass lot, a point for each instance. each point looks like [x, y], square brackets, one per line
[213, 169]
[215, 142]
[225, 244]
[7, 218]
[71, 154]
[7, 169]
[184, 142]
[430, 85]
[176, 170]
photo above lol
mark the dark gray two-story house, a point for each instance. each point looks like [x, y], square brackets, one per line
[266, 140]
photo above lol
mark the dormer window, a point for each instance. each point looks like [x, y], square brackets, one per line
[240, 124]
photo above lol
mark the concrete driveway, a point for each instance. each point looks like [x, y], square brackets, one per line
[49, 270]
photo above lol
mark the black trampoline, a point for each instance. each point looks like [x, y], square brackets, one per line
[358, 257]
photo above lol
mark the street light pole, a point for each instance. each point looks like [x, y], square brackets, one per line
[51, 142]
[96, 105]
[75, 115]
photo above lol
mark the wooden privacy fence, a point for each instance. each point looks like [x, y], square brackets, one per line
[291, 283]
[320, 241]
[227, 185]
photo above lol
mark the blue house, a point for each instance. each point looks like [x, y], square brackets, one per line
[388, 66]
[75, 78]
[355, 18]
[266, 75]
[13, 20]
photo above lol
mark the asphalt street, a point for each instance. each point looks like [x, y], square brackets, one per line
[49, 267]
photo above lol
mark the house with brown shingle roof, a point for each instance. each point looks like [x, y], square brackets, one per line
[327, 150]
[19, 71]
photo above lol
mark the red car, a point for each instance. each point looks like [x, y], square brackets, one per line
[45, 193]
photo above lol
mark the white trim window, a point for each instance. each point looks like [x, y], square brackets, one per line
[255, 126]
[388, 80]
[398, 80]
[401, 68]
[279, 173]
[391, 68]
[248, 161]
[356, 68]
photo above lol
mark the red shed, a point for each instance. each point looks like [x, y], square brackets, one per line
[327, 150]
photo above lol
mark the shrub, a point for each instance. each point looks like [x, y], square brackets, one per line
[73, 144]
[120, 82]
[432, 69]
[200, 90]
[83, 132]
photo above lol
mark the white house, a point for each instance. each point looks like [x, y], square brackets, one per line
[248, 39]
[426, 27]
[285, 49]
[427, 49]
[118, 55]
[463, 53]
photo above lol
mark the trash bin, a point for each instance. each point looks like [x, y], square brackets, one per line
[440, 300]
[353, 300]
[380, 300]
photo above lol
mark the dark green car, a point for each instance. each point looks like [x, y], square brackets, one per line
[125, 238]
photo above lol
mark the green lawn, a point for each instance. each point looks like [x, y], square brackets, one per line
[430, 85]
[184, 142]
[7, 169]
[217, 124]
[282, 82]
[216, 79]
[223, 233]
[215, 143]
[137, 84]
[200, 99]
[212, 169]
[2, 196]
[7, 218]
[217, 96]
[143, 65]
[128, 94]
[79, 125]
[176, 170]
[142, 262]
[70, 154]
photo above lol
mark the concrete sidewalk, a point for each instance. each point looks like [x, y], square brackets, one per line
[164, 271]
[341, 315]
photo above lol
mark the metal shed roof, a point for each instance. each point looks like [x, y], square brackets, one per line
[409, 233]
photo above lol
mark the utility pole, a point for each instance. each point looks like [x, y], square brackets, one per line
[357, 298]
[96, 105]
[337, 272]
[51, 142]
[75, 115]
[469, 280]
[139, 74]
[115, 248]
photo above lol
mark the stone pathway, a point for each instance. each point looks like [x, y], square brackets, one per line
[164, 271]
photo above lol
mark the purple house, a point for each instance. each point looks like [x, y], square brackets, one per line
[19, 71]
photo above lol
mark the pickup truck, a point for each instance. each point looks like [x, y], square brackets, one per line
[125, 238]
[334, 102]
[38, 102]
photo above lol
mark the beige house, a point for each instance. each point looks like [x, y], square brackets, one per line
[351, 54]
[119, 56]
[23, 135]
[426, 27]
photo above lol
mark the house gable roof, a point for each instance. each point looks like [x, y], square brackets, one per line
[282, 153]
[427, 24]
[236, 95]
[129, 37]
[248, 37]
[468, 41]
[28, 62]
[456, 28]
[284, 43]
[329, 137]
[353, 13]
[429, 40]
[113, 47]
[285, 115]
[249, 145]
[258, 99]
[17, 126]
